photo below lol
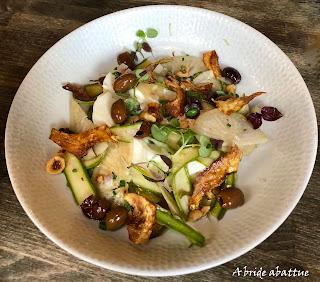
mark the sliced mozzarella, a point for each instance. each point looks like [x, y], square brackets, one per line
[141, 152]
[79, 121]
[191, 63]
[108, 83]
[195, 167]
[101, 113]
[231, 129]
[147, 93]
[208, 77]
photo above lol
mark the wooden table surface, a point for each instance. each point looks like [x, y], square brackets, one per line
[30, 27]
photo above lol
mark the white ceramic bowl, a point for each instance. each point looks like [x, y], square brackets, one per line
[273, 178]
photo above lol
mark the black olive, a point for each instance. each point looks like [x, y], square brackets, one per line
[125, 82]
[144, 130]
[116, 218]
[126, 58]
[231, 74]
[231, 198]
[167, 161]
[119, 112]
[210, 98]
[95, 208]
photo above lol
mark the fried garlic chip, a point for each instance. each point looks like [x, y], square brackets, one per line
[233, 105]
[78, 144]
[211, 61]
[141, 220]
[213, 176]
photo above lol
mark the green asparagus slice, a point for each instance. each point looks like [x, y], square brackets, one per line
[165, 218]
[217, 210]
[230, 180]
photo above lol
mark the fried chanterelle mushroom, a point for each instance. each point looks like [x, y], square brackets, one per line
[175, 108]
[211, 61]
[78, 144]
[214, 175]
[233, 105]
[142, 219]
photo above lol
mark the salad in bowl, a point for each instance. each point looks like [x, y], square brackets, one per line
[156, 143]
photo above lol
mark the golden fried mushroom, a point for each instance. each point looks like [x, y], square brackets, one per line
[200, 87]
[233, 105]
[213, 176]
[78, 144]
[175, 108]
[211, 61]
[142, 219]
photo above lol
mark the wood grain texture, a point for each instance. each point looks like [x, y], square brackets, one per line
[29, 27]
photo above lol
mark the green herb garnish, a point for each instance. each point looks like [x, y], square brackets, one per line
[116, 74]
[122, 183]
[189, 137]
[174, 122]
[159, 133]
[133, 106]
[114, 176]
[152, 33]
[194, 94]
[220, 93]
[142, 75]
[192, 112]
[141, 34]
[205, 146]
[170, 29]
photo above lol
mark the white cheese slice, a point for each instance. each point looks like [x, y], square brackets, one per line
[101, 113]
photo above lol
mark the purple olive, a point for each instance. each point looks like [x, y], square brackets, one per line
[231, 74]
[95, 208]
[192, 100]
[255, 119]
[216, 143]
[270, 113]
[146, 47]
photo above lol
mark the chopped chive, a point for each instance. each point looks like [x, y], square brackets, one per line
[122, 183]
